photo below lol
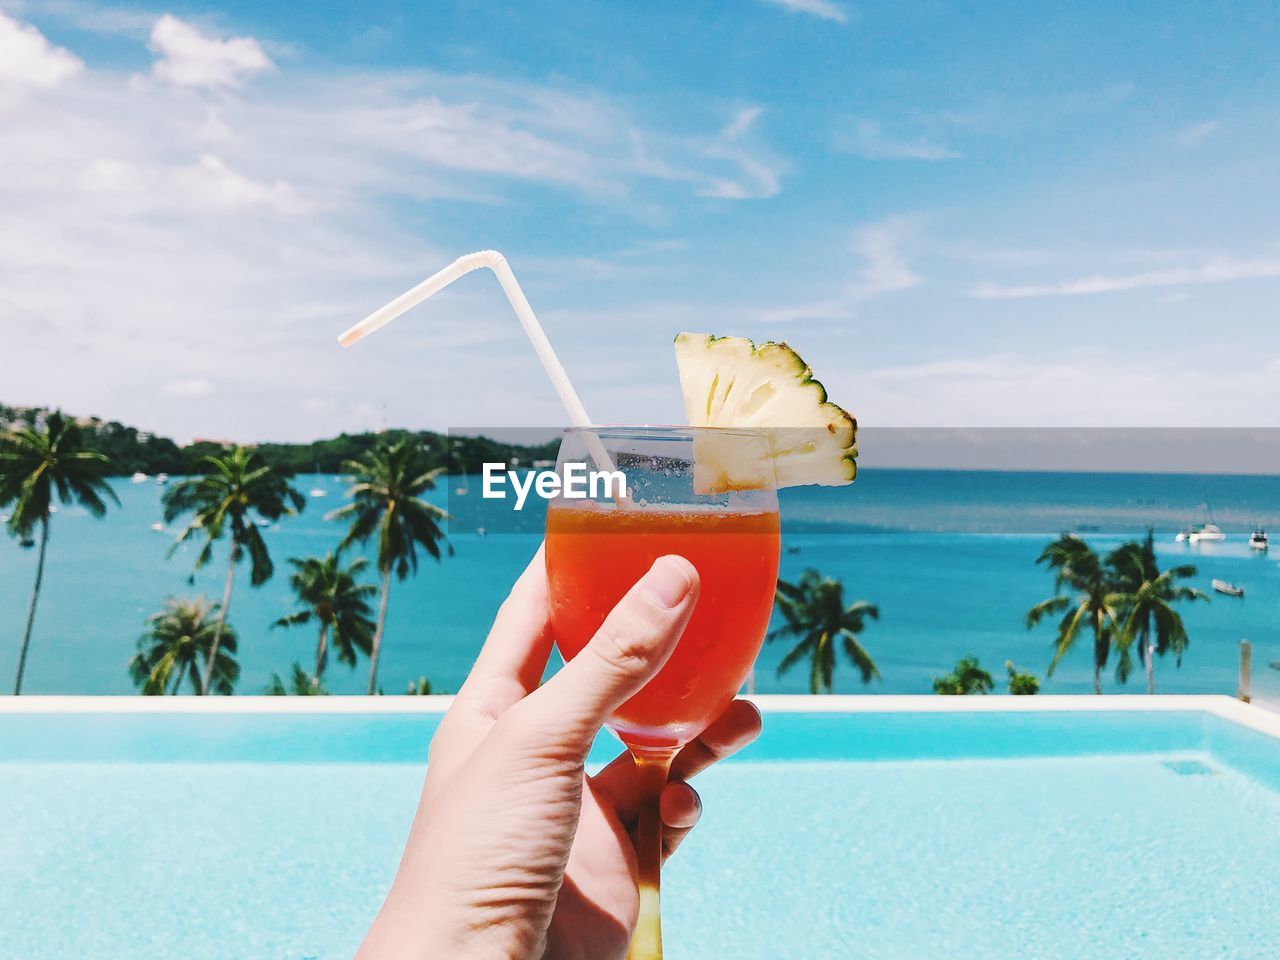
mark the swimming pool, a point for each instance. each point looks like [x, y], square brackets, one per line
[869, 827]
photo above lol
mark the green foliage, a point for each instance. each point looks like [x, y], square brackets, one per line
[130, 450]
[387, 486]
[1086, 597]
[333, 596]
[43, 458]
[301, 684]
[178, 642]
[1021, 684]
[1124, 598]
[48, 460]
[966, 678]
[1146, 600]
[225, 499]
[419, 688]
[814, 611]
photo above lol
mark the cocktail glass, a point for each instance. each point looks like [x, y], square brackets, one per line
[599, 546]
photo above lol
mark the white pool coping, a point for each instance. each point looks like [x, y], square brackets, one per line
[1228, 708]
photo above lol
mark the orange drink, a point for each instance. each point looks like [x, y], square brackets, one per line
[596, 552]
[671, 501]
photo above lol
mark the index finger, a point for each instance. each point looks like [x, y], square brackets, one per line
[514, 655]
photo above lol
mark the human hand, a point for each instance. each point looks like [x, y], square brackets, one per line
[514, 852]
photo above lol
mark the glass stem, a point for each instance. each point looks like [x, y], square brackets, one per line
[652, 771]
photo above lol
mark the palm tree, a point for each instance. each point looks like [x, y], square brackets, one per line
[301, 684]
[386, 490]
[35, 464]
[965, 679]
[1147, 605]
[234, 490]
[814, 611]
[1021, 684]
[1092, 601]
[178, 643]
[334, 597]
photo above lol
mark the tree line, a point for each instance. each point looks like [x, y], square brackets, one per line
[129, 450]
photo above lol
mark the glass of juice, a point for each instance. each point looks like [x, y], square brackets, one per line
[598, 545]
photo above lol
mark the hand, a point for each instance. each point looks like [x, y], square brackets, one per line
[514, 853]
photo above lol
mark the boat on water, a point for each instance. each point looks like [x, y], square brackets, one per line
[139, 477]
[157, 527]
[162, 478]
[1258, 540]
[317, 492]
[1228, 589]
[1201, 533]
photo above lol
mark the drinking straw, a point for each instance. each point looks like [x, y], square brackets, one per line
[519, 303]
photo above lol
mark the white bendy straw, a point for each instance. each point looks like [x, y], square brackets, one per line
[519, 303]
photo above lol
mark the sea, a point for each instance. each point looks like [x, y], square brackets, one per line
[949, 557]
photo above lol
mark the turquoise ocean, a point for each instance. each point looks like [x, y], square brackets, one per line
[949, 557]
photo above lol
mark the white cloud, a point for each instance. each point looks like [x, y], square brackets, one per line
[1197, 132]
[758, 176]
[823, 9]
[189, 58]
[867, 139]
[148, 224]
[742, 122]
[27, 59]
[1220, 269]
[883, 270]
[187, 388]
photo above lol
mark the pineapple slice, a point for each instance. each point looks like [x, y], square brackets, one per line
[731, 382]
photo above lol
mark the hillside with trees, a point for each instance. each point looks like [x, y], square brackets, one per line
[131, 450]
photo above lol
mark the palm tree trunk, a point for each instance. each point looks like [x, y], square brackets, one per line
[376, 651]
[1099, 653]
[222, 622]
[322, 653]
[1150, 655]
[31, 612]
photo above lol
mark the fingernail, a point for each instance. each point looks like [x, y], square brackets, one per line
[668, 581]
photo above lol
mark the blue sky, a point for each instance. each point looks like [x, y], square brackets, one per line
[1018, 215]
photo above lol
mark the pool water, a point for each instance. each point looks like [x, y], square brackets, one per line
[898, 836]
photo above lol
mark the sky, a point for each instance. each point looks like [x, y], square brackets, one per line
[1023, 214]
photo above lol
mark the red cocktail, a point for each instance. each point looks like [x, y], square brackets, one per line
[599, 546]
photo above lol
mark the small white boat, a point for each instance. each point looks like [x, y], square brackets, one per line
[139, 477]
[317, 492]
[459, 491]
[1258, 540]
[1229, 589]
[157, 527]
[262, 523]
[1201, 533]
[162, 478]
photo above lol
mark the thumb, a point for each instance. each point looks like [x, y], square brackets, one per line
[631, 646]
